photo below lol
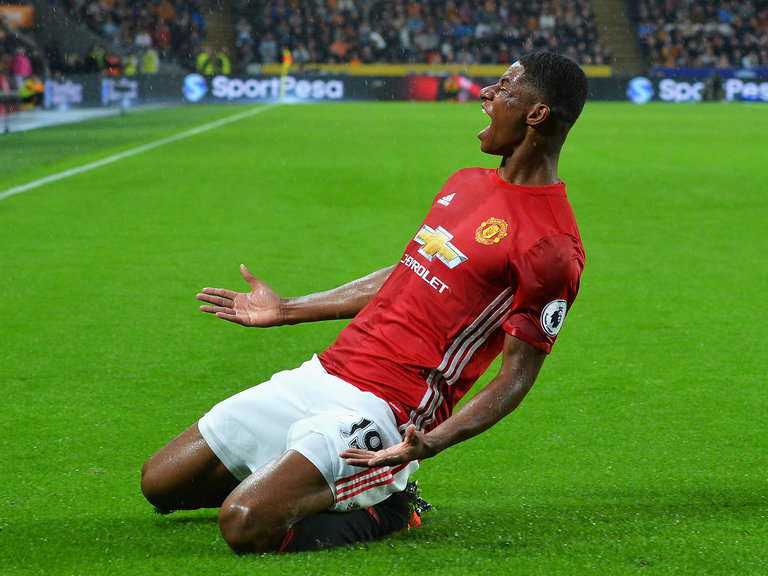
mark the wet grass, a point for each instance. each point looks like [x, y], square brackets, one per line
[641, 450]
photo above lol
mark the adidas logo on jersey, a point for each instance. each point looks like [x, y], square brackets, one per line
[446, 200]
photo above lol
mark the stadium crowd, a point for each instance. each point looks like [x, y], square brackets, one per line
[703, 34]
[408, 31]
[349, 31]
[142, 33]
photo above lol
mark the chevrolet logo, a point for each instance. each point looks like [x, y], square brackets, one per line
[437, 243]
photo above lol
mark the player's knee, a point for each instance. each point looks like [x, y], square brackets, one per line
[246, 531]
[148, 483]
[152, 485]
[237, 525]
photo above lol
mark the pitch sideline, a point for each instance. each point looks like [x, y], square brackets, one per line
[128, 153]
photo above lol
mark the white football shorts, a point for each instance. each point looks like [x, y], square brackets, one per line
[317, 415]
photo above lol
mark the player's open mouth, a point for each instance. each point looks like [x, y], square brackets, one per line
[487, 128]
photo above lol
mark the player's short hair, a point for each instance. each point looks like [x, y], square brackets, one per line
[561, 82]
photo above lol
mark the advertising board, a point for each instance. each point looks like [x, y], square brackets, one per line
[642, 90]
[94, 91]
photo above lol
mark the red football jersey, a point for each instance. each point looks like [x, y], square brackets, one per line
[490, 258]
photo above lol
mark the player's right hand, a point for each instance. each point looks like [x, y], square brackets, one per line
[259, 307]
[415, 446]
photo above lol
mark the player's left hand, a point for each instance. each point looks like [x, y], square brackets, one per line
[415, 446]
[260, 307]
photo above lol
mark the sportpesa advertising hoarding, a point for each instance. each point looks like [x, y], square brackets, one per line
[641, 89]
[291, 89]
[223, 88]
[198, 88]
[94, 91]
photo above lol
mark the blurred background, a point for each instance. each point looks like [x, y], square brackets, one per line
[70, 54]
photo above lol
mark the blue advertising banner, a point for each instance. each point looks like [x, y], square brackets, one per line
[641, 89]
[94, 91]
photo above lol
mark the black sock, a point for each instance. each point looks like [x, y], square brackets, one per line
[331, 529]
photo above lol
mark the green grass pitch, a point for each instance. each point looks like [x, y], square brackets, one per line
[642, 449]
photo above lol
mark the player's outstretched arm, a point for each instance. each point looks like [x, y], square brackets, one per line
[520, 366]
[263, 307]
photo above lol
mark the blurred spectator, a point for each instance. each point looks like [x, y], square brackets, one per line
[206, 62]
[268, 49]
[162, 37]
[31, 92]
[165, 11]
[131, 64]
[143, 38]
[95, 59]
[57, 62]
[223, 62]
[21, 66]
[113, 64]
[39, 63]
[150, 61]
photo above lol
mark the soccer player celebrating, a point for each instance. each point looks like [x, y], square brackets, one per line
[321, 455]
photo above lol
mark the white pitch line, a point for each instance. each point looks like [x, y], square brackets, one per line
[128, 153]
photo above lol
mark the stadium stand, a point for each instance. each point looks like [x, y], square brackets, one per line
[680, 34]
[413, 31]
[153, 34]
[175, 29]
[347, 31]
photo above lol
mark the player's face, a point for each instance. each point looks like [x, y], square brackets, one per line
[508, 103]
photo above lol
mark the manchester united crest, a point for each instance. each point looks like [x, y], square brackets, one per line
[491, 231]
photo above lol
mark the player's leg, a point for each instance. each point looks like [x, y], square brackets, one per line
[284, 507]
[186, 475]
[206, 462]
[258, 514]
[329, 529]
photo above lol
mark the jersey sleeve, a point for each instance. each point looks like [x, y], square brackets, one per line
[547, 278]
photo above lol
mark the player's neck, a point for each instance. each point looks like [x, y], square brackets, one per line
[528, 169]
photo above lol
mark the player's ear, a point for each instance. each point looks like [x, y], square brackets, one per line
[538, 113]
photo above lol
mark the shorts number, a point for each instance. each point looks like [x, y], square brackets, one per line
[364, 435]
